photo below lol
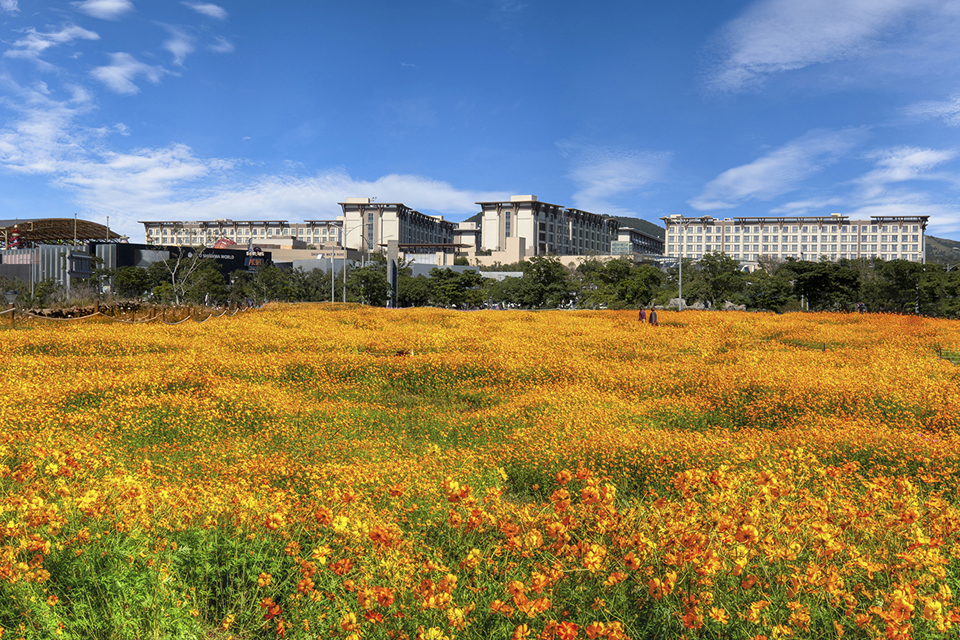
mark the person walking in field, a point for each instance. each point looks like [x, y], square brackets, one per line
[643, 316]
[653, 317]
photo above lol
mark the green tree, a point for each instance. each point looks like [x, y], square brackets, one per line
[717, 278]
[826, 286]
[412, 291]
[766, 292]
[206, 284]
[545, 283]
[617, 283]
[369, 285]
[268, 283]
[132, 282]
[449, 288]
[178, 273]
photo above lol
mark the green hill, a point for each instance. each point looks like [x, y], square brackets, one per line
[643, 225]
[943, 251]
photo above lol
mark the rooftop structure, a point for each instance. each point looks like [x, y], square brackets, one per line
[30, 232]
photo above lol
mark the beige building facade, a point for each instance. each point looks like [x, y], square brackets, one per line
[207, 232]
[832, 237]
[368, 226]
[544, 228]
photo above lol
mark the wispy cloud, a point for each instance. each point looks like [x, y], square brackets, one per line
[123, 70]
[901, 164]
[221, 45]
[44, 133]
[946, 110]
[173, 182]
[104, 9]
[803, 207]
[944, 217]
[210, 10]
[180, 44]
[773, 36]
[299, 197]
[509, 6]
[885, 190]
[778, 172]
[35, 43]
[604, 174]
[10, 6]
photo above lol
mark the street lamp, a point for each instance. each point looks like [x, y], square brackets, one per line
[344, 244]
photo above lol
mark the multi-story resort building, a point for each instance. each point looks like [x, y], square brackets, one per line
[521, 227]
[368, 226]
[805, 238]
[316, 232]
[545, 228]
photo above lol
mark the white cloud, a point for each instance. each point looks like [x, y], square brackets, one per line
[778, 172]
[35, 43]
[104, 9]
[773, 36]
[9, 6]
[604, 174]
[946, 110]
[123, 70]
[803, 207]
[882, 191]
[45, 133]
[208, 9]
[944, 218]
[172, 182]
[297, 197]
[180, 44]
[900, 164]
[222, 45]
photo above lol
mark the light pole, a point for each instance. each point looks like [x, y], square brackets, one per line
[683, 238]
[344, 244]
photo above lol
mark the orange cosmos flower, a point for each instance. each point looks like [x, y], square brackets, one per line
[719, 615]
[747, 534]
[522, 632]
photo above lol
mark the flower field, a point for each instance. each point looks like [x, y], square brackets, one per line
[325, 471]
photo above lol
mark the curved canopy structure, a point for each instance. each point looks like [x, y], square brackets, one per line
[30, 232]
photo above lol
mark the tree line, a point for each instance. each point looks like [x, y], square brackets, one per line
[713, 281]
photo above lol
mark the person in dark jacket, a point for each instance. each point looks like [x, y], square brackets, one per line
[653, 317]
[643, 316]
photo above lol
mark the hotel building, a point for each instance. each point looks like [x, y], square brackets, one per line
[545, 228]
[814, 238]
[368, 226]
[315, 232]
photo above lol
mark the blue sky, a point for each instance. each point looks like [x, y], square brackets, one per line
[278, 110]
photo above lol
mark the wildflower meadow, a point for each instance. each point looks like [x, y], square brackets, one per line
[333, 471]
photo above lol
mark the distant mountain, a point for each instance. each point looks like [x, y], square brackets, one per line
[634, 223]
[943, 251]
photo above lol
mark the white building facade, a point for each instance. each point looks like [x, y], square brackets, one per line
[208, 232]
[369, 225]
[545, 228]
[832, 237]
